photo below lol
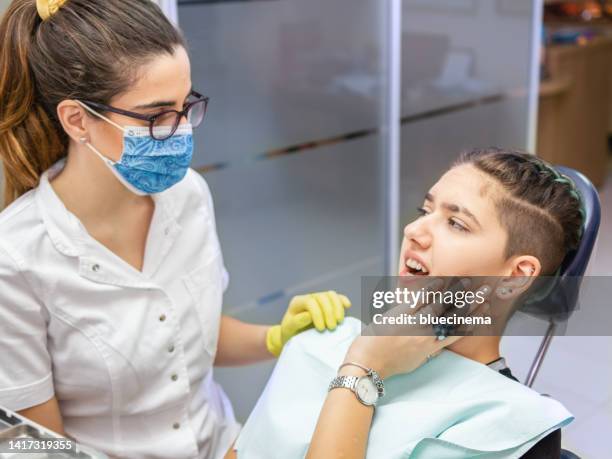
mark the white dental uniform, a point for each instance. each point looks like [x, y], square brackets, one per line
[128, 354]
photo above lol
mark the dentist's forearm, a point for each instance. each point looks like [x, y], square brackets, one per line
[343, 426]
[241, 343]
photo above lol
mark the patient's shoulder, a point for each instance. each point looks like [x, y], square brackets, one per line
[348, 330]
[328, 346]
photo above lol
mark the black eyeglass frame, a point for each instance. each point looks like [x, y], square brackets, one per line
[152, 118]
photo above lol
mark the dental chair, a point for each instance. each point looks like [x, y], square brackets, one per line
[567, 285]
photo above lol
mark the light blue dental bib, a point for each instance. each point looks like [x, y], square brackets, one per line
[450, 408]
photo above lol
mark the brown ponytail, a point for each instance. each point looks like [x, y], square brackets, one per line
[29, 140]
[88, 49]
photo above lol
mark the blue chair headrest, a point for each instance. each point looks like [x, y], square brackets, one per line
[575, 263]
[561, 293]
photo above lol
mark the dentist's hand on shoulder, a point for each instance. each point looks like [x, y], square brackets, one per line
[242, 343]
[323, 310]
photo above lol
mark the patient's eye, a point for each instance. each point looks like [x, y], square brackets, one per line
[457, 226]
[454, 224]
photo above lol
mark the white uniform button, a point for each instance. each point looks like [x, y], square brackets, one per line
[95, 268]
[171, 348]
[167, 231]
[162, 318]
[176, 426]
[174, 377]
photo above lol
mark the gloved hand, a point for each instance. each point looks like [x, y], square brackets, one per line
[322, 309]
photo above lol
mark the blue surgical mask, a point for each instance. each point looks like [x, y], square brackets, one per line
[149, 166]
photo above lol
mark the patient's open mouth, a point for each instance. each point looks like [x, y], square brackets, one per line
[415, 268]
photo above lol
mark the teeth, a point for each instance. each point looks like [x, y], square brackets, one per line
[415, 265]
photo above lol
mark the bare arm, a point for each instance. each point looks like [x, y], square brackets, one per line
[344, 423]
[47, 415]
[343, 426]
[241, 343]
[231, 454]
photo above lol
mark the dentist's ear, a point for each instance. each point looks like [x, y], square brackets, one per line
[524, 270]
[73, 119]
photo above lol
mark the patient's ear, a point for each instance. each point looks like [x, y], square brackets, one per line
[524, 268]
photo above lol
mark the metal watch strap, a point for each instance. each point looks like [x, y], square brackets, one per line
[347, 382]
[376, 379]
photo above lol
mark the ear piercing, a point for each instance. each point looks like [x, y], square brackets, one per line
[504, 291]
[83, 140]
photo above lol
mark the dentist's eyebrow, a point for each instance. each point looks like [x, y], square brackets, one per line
[454, 208]
[160, 103]
[156, 104]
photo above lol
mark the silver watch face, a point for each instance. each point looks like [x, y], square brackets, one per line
[366, 390]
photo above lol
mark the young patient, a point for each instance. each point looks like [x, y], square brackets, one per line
[494, 213]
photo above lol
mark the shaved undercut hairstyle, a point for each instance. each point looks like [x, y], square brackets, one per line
[538, 207]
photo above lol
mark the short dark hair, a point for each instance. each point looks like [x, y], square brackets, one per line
[540, 209]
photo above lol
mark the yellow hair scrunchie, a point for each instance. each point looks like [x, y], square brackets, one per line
[47, 8]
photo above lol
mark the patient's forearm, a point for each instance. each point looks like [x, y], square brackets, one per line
[343, 426]
[231, 454]
[241, 343]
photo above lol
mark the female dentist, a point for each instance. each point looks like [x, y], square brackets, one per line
[111, 273]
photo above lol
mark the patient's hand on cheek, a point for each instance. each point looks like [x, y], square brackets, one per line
[392, 355]
[407, 347]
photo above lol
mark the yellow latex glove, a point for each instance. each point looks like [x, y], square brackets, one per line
[323, 310]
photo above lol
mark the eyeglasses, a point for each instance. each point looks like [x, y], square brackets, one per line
[159, 123]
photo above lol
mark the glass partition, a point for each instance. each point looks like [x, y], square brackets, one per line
[292, 151]
[466, 79]
[294, 145]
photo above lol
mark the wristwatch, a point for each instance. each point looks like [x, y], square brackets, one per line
[362, 386]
